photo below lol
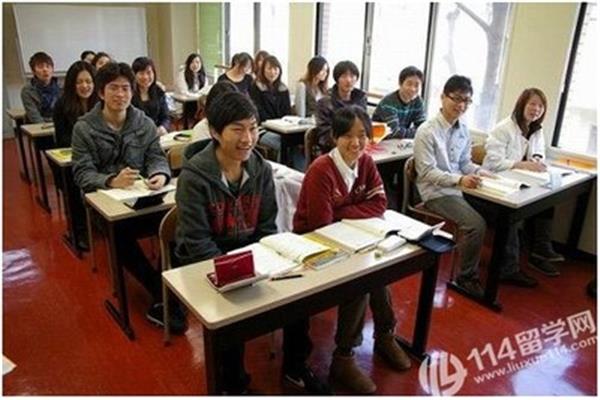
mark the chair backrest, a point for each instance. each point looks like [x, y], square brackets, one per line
[166, 237]
[478, 153]
[175, 158]
[311, 146]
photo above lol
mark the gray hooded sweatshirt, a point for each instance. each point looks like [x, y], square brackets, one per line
[99, 153]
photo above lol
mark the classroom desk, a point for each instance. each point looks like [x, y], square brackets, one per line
[61, 159]
[184, 98]
[41, 137]
[18, 116]
[168, 141]
[508, 210]
[111, 215]
[292, 134]
[246, 313]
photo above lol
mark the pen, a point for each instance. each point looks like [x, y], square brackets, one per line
[280, 278]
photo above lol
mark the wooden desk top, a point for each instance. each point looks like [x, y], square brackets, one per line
[168, 141]
[16, 113]
[40, 130]
[216, 310]
[113, 210]
[61, 156]
[529, 195]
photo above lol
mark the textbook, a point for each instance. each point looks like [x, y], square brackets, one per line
[361, 234]
[543, 177]
[63, 155]
[137, 190]
[282, 252]
[501, 186]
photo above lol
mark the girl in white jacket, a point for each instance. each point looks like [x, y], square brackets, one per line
[518, 142]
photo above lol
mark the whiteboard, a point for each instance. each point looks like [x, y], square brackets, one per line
[64, 31]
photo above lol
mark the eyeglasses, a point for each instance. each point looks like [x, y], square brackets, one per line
[460, 99]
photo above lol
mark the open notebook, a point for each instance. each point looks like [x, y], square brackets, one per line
[543, 177]
[135, 191]
[501, 186]
[280, 253]
[360, 234]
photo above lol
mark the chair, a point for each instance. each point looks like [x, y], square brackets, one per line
[175, 158]
[311, 146]
[478, 153]
[166, 236]
[413, 205]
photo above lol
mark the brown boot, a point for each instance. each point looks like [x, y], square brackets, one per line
[388, 348]
[345, 372]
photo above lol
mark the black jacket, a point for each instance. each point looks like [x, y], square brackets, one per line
[271, 104]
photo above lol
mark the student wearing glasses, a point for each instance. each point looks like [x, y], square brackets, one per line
[113, 145]
[342, 94]
[345, 184]
[518, 142]
[226, 200]
[442, 152]
[148, 96]
[42, 91]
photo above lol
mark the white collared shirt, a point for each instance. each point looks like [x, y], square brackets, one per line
[349, 175]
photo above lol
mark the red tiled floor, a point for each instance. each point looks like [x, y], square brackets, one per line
[57, 331]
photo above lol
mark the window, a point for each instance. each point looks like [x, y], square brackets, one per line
[469, 40]
[275, 31]
[576, 126]
[241, 28]
[342, 32]
[399, 40]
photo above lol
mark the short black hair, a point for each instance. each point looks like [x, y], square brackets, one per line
[98, 56]
[229, 107]
[40, 58]
[408, 72]
[86, 53]
[344, 118]
[219, 89]
[458, 83]
[112, 71]
[345, 66]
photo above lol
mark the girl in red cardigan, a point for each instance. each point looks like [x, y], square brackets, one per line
[345, 183]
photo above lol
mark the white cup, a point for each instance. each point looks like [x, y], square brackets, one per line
[555, 179]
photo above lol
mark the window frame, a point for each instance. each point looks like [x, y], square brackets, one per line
[562, 104]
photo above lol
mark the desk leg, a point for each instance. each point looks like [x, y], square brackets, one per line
[70, 237]
[42, 196]
[285, 151]
[22, 155]
[90, 229]
[32, 160]
[577, 222]
[490, 296]
[424, 308]
[121, 315]
[211, 346]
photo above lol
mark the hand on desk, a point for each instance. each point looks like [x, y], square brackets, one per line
[486, 173]
[156, 182]
[535, 166]
[125, 178]
[470, 181]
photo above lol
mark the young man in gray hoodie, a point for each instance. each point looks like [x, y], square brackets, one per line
[113, 145]
[226, 200]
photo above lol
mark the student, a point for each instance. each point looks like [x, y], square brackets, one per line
[100, 60]
[345, 184]
[113, 145]
[77, 99]
[226, 200]
[190, 81]
[42, 91]
[259, 57]
[87, 56]
[518, 142]
[239, 72]
[342, 94]
[403, 110]
[201, 130]
[311, 87]
[193, 77]
[442, 152]
[148, 96]
[269, 94]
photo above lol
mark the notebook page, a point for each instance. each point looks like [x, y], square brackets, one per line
[267, 261]
[293, 246]
[348, 236]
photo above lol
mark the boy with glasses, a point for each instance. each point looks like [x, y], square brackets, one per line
[443, 164]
